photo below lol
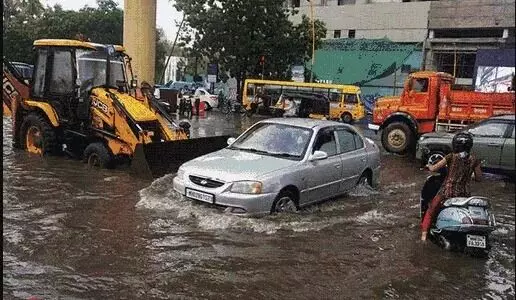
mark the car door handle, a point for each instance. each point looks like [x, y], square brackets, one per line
[362, 159]
[337, 166]
[494, 145]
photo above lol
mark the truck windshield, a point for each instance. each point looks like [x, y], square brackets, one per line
[92, 68]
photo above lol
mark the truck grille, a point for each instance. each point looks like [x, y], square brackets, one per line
[205, 182]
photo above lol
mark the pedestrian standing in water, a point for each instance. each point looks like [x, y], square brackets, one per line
[461, 166]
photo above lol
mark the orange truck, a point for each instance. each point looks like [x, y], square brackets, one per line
[428, 104]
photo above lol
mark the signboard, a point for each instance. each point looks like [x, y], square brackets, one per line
[212, 78]
[213, 70]
[298, 73]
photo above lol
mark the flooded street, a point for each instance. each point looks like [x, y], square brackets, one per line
[74, 233]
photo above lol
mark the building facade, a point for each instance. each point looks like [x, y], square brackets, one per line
[450, 32]
[396, 20]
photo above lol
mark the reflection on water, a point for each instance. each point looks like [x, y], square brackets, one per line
[75, 233]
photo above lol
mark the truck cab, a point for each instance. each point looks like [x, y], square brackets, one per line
[402, 118]
[428, 103]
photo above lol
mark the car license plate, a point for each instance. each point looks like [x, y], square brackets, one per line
[476, 241]
[199, 196]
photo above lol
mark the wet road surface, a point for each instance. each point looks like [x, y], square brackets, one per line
[74, 233]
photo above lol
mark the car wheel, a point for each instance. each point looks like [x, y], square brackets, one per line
[284, 203]
[434, 157]
[207, 105]
[364, 180]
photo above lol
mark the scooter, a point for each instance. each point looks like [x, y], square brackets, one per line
[463, 223]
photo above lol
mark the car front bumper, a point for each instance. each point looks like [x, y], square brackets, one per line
[241, 204]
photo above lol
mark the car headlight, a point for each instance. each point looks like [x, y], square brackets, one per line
[180, 174]
[246, 187]
[422, 138]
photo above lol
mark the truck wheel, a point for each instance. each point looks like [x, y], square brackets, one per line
[346, 118]
[38, 136]
[96, 155]
[397, 138]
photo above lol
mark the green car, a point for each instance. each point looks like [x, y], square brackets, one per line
[493, 144]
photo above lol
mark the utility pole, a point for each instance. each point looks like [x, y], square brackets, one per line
[172, 50]
[313, 39]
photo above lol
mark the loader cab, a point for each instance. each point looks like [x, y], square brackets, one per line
[55, 75]
[66, 71]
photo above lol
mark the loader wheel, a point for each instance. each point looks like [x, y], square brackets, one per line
[96, 155]
[38, 136]
[397, 138]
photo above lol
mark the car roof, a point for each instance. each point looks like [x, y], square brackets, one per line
[508, 117]
[303, 122]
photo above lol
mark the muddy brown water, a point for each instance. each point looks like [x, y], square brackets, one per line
[74, 233]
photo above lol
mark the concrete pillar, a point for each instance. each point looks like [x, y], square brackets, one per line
[140, 37]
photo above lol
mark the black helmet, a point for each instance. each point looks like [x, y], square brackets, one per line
[462, 142]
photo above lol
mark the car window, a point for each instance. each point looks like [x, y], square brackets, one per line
[325, 141]
[490, 129]
[275, 139]
[349, 141]
[359, 143]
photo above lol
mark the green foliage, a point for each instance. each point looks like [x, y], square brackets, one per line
[235, 33]
[28, 20]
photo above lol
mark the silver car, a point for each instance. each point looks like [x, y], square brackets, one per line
[493, 143]
[281, 165]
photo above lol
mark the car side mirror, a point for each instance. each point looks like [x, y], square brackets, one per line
[318, 155]
[411, 93]
[134, 83]
[231, 140]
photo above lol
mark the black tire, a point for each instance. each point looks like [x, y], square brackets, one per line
[285, 202]
[97, 155]
[49, 143]
[346, 118]
[397, 138]
[434, 156]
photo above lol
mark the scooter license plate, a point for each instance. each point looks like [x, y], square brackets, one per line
[475, 241]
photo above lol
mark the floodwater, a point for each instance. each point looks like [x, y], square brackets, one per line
[74, 233]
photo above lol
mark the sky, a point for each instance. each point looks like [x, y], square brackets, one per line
[166, 14]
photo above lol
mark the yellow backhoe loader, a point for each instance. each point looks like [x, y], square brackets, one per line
[81, 101]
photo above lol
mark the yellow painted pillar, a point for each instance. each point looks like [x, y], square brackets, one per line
[140, 37]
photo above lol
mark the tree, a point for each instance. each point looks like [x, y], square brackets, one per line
[235, 33]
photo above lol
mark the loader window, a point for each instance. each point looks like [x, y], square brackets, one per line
[61, 82]
[38, 88]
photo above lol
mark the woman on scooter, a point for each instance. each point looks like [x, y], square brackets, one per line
[461, 165]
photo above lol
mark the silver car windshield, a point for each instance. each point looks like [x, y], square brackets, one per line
[275, 140]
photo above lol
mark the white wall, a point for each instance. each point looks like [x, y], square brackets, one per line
[170, 70]
[400, 22]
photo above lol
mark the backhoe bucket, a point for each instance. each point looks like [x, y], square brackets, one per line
[157, 159]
